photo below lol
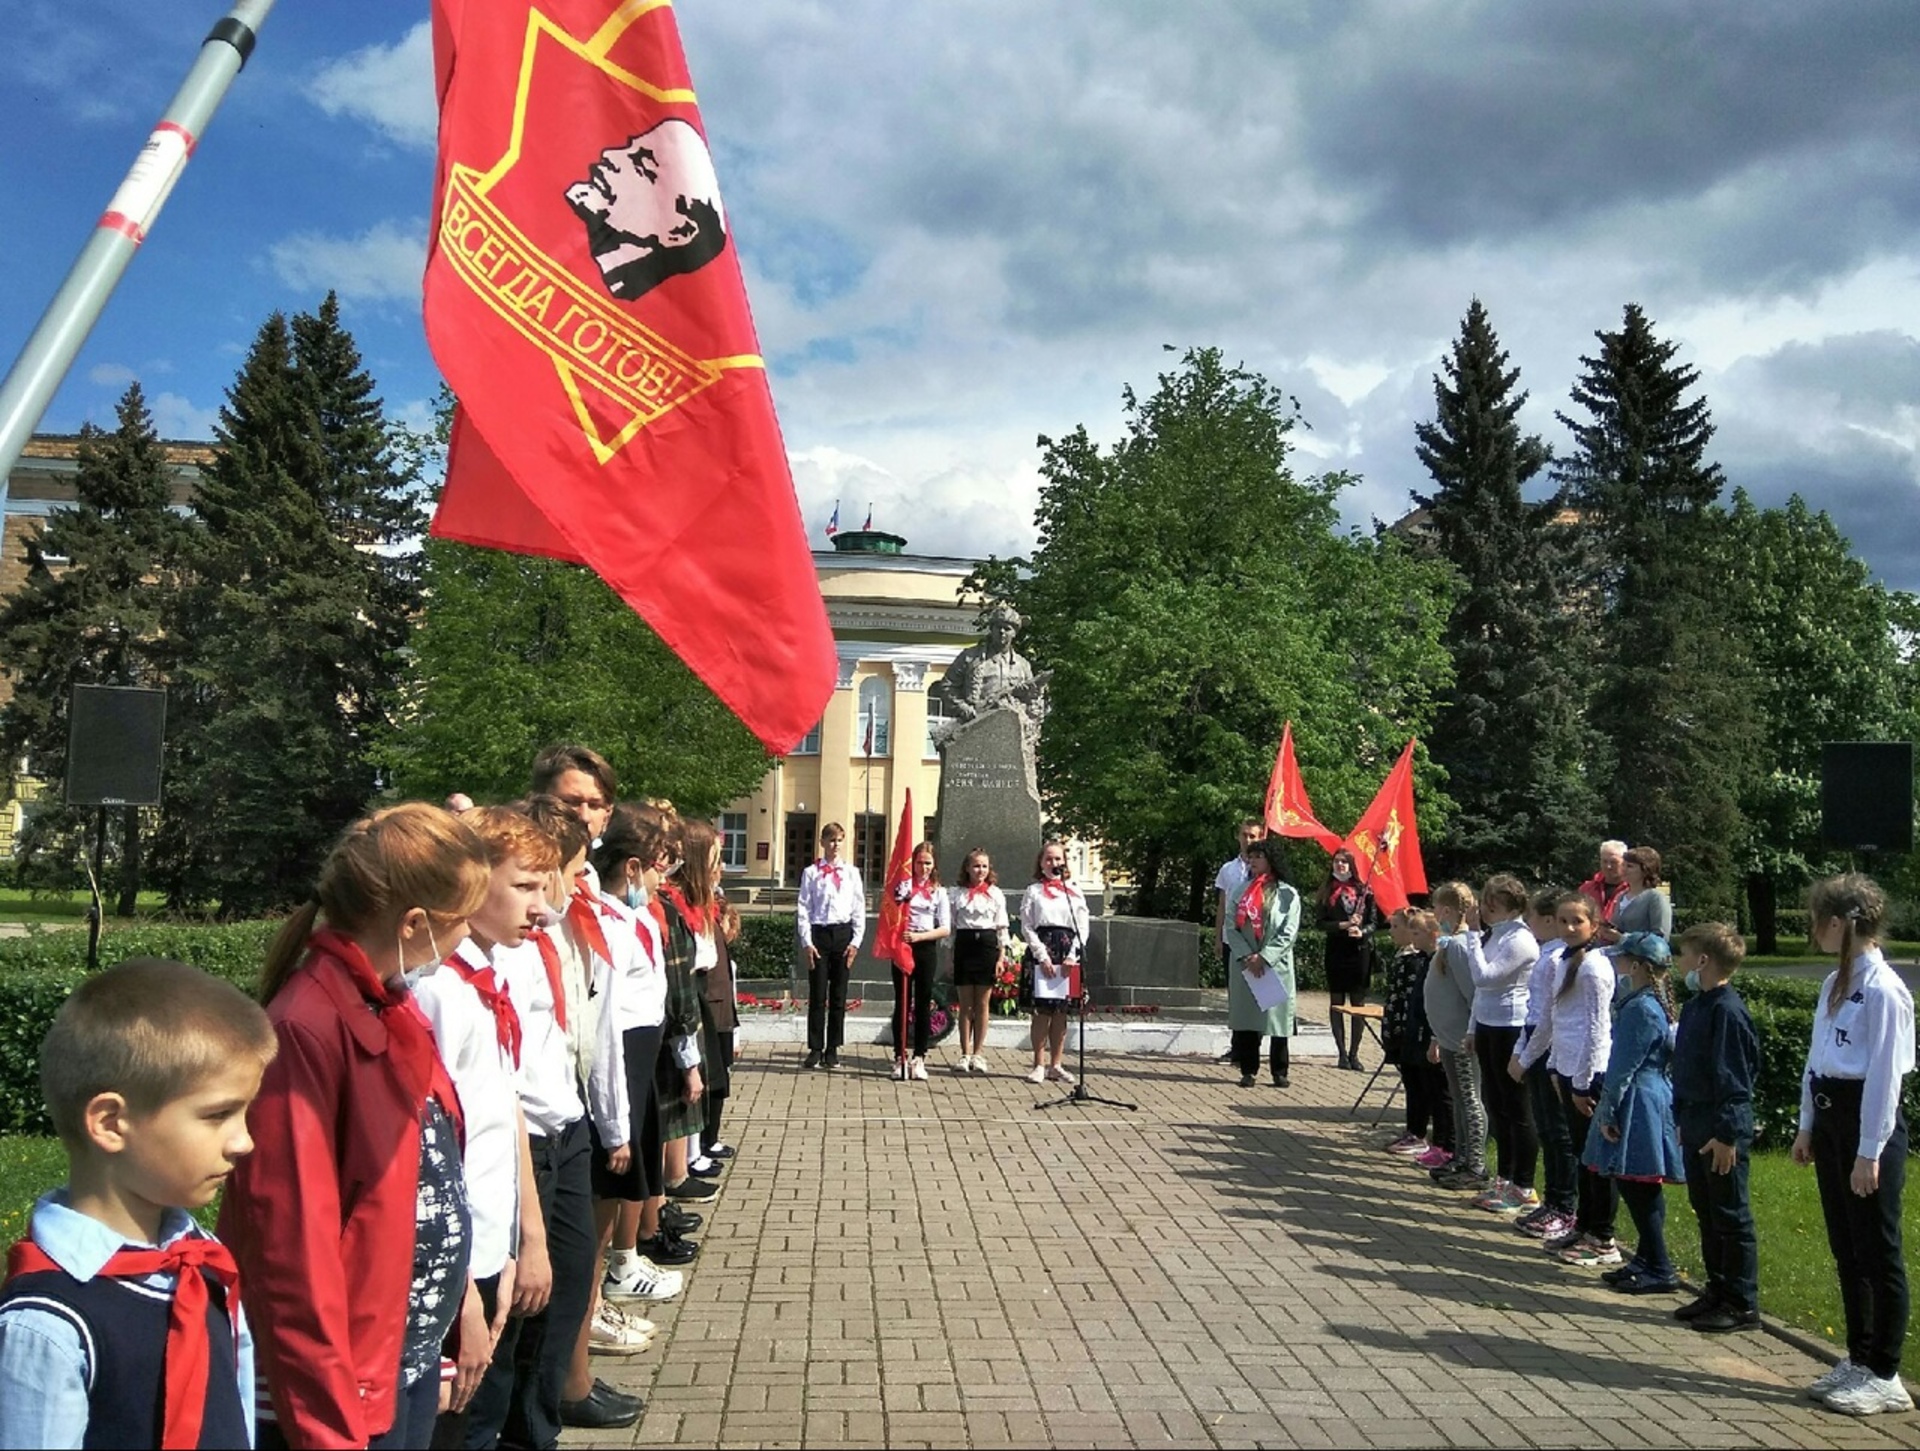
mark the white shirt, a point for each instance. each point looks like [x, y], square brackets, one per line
[1870, 1039]
[1542, 981]
[1064, 907]
[928, 909]
[1499, 971]
[483, 1073]
[560, 1068]
[825, 900]
[1575, 1032]
[984, 913]
[640, 989]
[1227, 881]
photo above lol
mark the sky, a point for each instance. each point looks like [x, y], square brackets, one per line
[971, 224]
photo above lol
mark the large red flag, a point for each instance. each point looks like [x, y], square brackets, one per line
[1288, 812]
[585, 302]
[890, 938]
[1386, 844]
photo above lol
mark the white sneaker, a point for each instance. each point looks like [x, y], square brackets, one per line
[1039, 1074]
[611, 1334]
[1059, 1075]
[963, 1065]
[1868, 1395]
[899, 1070]
[918, 1072]
[980, 1064]
[645, 1281]
[1843, 1374]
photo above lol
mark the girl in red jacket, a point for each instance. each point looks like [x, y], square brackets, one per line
[350, 1225]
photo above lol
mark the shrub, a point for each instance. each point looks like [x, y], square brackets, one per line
[765, 947]
[39, 970]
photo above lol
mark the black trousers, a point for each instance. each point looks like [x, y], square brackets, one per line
[1647, 1205]
[717, 1102]
[827, 987]
[1558, 1166]
[450, 1429]
[918, 984]
[1596, 1198]
[1246, 1052]
[1429, 1105]
[520, 1397]
[1863, 1232]
[1728, 1248]
[1509, 1109]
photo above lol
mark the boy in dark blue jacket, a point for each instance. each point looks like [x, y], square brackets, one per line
[1716, 1058]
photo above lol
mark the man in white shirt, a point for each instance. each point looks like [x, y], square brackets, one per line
[1231, 877]
[832, 919]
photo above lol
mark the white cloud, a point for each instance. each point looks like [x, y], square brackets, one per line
[111, 375]
[382, 264]
[390, 87]
[177, 417]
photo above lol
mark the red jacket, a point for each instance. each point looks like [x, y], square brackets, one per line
[320, 1216]
[1604, 895]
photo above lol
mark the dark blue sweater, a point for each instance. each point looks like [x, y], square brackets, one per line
[1716, 1058]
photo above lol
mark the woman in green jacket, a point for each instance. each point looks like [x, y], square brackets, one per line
[1261, 929]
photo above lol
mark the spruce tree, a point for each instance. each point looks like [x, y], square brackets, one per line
[94, 619]
[1511, 733]
[284, 662]
[1673, 696]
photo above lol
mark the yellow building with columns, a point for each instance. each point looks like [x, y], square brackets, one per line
[897, 625]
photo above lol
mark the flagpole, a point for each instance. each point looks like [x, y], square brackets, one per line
[37, 373]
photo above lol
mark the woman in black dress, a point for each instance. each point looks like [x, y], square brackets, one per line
[1348, 916]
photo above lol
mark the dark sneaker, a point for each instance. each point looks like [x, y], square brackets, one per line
[1280, 1080]
[833, 1058]
[813, 1059]
[1246, 1080]
[1695, 1308]
[1722, 1318]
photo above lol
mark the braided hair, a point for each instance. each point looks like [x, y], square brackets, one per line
[1857, 903]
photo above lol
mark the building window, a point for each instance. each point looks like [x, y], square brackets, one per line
[873, 727]
[870, 847]
[809, 743]
[733, 841]
[936, 718]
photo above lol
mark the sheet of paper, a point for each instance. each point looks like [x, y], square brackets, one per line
[1269, 992]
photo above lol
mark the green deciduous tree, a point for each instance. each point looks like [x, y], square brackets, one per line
[94, 619]
[517, 652]
[1674, 692]
[1511, 734]
[1190, 595]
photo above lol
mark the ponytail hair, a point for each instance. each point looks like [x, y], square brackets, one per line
[1573, 956]
[1857, 903]
[384, 865]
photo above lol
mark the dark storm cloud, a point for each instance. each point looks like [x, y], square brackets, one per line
[1460, 123]
[1874, 373]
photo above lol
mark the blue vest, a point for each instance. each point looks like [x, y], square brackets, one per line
[123, 1328]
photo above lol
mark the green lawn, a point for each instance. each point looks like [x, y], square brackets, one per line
[1796, 950]
[55, 909]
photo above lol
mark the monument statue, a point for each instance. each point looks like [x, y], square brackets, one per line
[992, 675]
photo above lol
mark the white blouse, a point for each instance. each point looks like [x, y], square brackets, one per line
[1870, 1038]
[986, 912]
[927, 910]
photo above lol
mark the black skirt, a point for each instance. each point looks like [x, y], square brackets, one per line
[976, 956]
[1349, 963]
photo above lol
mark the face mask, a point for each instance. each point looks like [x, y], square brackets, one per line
[1622, 989]
[1693, 979]
[636, 895]
[410, 976]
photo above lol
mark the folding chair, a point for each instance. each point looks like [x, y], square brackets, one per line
[1370, 1018]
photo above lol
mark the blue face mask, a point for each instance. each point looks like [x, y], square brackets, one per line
[1622, 989]
[636, 895]
[1693, 979]
[410, 976]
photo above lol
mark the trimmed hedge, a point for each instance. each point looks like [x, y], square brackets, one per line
[765, 948]
[39, 970]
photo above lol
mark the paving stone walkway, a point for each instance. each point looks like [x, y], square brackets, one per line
[941, 1265]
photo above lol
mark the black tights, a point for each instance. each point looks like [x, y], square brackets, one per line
[1355, 1027]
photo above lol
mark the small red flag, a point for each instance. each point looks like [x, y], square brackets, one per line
[890, 938]
[1386, 844]
[1289, 813]
[584, 301]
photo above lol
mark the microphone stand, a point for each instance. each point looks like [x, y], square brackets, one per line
[1078, 1093]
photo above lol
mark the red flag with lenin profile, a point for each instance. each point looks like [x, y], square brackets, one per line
[1386, 844]
[1288, 812]
[890, 937]
[584, 300]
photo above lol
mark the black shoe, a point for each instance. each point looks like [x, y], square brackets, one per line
[1723, 1318]
[692, 1189]
[833, 1058]
[712, 1171]
[1355, 1064]
[668, 1248]
[678, 1220]
[1342, 1063]
[1280, 1080]
[722, 1152]
[1694, 1309]
[1246, 1080]
[813, 1058]
[1226, 1057]
[602, 1409]
[1646, 1284]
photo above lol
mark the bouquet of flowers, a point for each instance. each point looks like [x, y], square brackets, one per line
[1005, 998]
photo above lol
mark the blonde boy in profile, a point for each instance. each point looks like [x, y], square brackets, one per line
[120, 1324]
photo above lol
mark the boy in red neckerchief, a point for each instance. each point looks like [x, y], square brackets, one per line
[120, 1319]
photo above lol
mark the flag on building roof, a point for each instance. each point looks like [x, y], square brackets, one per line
[833, 524]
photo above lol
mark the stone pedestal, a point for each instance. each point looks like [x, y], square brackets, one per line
[987, 800]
